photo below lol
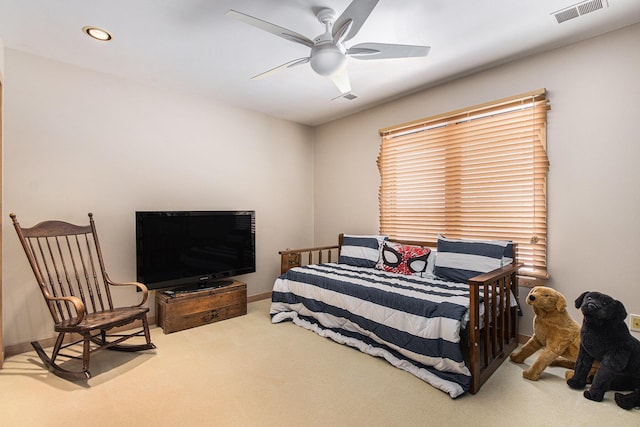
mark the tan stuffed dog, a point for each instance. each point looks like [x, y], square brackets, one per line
[553, 329]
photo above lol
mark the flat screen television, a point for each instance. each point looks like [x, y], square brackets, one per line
[193, 249]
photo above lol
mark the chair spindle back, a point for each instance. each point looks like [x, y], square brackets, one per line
[67, 261]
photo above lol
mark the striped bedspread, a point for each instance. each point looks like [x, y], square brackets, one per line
[412, 322]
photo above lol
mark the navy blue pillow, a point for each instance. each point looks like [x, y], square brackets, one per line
[360, 250]
[460, 260]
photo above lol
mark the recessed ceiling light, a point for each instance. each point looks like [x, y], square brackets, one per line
[97, 33]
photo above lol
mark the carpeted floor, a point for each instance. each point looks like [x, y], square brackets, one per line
[247, 372]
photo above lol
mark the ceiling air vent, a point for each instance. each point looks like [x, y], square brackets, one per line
[579, 9]
[349, 96]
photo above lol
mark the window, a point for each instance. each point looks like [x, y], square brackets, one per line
[479, 172]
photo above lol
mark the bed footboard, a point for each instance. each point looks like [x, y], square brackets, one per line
[291, 258]
[494, 338]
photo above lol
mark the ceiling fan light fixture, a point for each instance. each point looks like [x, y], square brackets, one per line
[97, 33]
[327, 59]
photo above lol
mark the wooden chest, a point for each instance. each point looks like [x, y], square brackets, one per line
[191, 309]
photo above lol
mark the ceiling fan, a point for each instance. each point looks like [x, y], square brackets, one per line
[328, 55]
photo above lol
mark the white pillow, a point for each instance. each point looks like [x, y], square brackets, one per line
[360, 250]
[461, 259]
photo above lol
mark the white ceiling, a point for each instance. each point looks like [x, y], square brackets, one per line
[191, 45]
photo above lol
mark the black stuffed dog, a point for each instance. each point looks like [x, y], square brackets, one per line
[604, 337]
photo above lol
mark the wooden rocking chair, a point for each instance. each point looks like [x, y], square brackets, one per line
[68, 266]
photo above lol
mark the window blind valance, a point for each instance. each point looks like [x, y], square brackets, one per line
[478, 172]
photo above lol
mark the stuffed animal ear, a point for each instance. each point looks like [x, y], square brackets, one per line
[561, 304]
[580, 298]
[621, 312]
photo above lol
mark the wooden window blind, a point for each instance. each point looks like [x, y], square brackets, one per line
[476, 173]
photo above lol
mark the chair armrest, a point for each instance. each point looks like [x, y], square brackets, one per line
[142, 287]
[77, 304]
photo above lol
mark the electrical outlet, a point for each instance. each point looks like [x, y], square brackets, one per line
[634, 322]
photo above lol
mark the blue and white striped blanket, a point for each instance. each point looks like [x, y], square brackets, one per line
[412, 322]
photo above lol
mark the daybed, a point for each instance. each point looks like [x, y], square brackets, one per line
[446, 312]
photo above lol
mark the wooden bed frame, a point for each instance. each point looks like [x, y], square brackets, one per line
[487, 346]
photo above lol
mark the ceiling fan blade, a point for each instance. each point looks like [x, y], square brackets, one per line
[289, 64]
[271, 28]
[341, 80]
[386, 51]
[340, 33]
[358, 11]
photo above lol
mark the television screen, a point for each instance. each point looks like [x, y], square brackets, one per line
[193, 249]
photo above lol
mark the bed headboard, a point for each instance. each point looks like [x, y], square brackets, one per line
[291, 258]
[404, 242]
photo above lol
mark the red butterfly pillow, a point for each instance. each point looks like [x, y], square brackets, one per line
[403, 259]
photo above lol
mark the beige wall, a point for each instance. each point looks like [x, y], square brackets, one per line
[593, 147]
[1, 58]
[79, 141]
